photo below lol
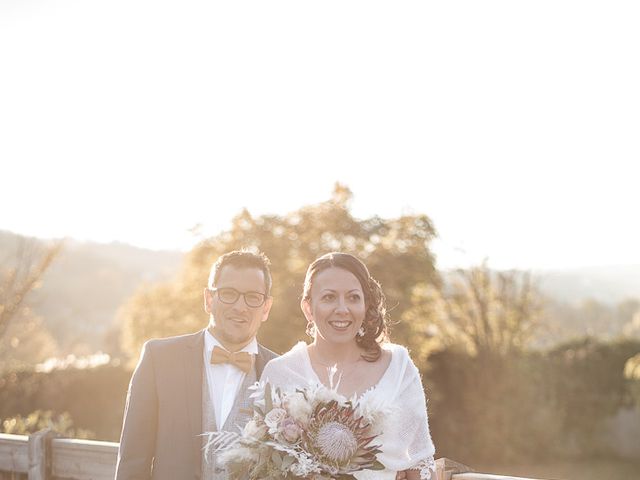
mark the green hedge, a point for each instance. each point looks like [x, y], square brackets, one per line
[94, 398]
[527, 406]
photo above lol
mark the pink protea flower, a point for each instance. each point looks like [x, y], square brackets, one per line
[340, 439]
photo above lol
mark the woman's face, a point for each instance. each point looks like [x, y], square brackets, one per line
[336, 306]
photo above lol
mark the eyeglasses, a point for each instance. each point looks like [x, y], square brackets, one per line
[230, 295]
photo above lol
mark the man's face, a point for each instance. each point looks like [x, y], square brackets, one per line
[235, 324]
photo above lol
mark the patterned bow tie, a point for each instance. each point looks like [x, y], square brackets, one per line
[242, 360]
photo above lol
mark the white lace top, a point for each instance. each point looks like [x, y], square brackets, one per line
[405, 438]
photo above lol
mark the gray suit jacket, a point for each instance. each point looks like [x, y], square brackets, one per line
[163, 422]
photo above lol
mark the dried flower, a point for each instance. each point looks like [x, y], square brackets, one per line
[312, 432]
[341, 438]
[273, 418]
[291, 431]
[255, 429]
[298, 407]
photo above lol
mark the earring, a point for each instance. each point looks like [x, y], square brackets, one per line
[361, 332]
[311, 329]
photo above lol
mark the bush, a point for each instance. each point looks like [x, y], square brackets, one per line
[94, 398]
[527, 406]
[39, 420]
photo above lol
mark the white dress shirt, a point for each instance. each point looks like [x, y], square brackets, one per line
[223, 379]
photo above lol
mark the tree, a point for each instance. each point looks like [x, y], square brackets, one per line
[473, 329]
[21, 272]
[632, 375]
[395, 250]
[482, 311]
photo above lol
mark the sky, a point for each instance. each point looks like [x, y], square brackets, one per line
[513, 125]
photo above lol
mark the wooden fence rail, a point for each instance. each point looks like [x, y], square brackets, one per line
[43, 457]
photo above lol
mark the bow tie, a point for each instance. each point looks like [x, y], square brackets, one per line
[242, 360]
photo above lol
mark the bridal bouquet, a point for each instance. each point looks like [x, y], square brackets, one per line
[312, 432]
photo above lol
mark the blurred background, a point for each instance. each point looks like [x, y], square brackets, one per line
[480, 157]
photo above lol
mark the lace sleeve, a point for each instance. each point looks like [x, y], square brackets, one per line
[427, 468]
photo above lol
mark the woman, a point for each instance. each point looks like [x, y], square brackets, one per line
[345, 311]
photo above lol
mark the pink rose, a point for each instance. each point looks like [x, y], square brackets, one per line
[290, 430]
[273, 419]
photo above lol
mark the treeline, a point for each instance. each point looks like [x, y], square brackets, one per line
[93, 399]
[530, 406]
[527, 406]
[492, 395]
[395, 250]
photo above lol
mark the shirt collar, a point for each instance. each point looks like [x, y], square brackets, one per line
[210, 341]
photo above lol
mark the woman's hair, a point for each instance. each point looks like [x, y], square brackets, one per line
[375, 322]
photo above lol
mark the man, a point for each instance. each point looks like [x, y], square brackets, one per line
[187, 385]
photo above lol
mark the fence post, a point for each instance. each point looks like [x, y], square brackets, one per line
[445, 468]
[40, 454]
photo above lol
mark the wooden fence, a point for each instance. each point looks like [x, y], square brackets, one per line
[43, 457]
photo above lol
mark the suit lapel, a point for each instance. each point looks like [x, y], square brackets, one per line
[193, 371]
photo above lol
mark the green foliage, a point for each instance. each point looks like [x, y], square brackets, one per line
[21, 272]
[587, 378]
[477, 409]
[478, 310]
[527, 405]
[522, 407]
[632, 368]
[395, 250]
[94, 398]
[26, 342]
[41, 419]
[632, 374]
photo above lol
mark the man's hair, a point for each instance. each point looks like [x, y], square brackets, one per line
[242, 259]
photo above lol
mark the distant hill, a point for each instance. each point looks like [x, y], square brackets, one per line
[609, 285]
[86, 284]
[603, 302]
